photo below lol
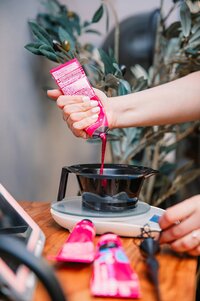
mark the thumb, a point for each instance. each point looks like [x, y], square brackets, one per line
[54, 94]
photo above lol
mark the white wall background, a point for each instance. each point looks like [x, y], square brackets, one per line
[34, 141]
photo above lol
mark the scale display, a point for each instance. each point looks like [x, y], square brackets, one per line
[16, 280]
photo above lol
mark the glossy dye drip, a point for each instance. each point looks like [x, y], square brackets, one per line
[103, 151]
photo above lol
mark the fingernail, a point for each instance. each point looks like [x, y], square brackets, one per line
[95, 110]
[85, 99]
[94, 103]
[77, 126]
[95, 116]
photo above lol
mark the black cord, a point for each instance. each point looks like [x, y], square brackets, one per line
[15, 248]
[150, 247]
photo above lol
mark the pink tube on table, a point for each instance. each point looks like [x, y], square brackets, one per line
[79, 246]
[112, 273]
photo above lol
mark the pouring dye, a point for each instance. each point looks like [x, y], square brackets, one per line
[109, 192]
[72, 80]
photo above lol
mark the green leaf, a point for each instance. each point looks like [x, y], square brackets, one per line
[108, 62]
[107, 17]
[139, 72]
[34, 48]
[124, 87]
[47, 47]
[48, 53]
[116, 66]
[195, 36]
[191, 51]
[98, 14]
[40, 33]
[133, 135]
[195, 28]
[167, 168]
[185, 17]
[53, 6]
[93, 31]
[116, 148]
[141, 84]
[65, 36]
[86, 23]
[173, 30]
[75, 24]
[169, 148]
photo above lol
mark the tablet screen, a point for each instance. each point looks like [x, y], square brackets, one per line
[14, 221]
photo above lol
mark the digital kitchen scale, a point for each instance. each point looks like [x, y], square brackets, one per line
[110, 200]
[130, 223]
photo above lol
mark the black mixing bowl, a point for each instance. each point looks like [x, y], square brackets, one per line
[116, 189]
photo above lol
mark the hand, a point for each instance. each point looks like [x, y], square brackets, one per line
[79, 112]
[181, 226]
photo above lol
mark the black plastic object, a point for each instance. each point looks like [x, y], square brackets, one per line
[150, 247]
[116, 180]
[116, 203]
[11, 246]
[137, 39]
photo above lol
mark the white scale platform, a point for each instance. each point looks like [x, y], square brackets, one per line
[129, 223]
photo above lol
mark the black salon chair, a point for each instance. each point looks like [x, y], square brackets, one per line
[137, 39]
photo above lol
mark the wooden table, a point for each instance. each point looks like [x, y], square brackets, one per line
[177, 273]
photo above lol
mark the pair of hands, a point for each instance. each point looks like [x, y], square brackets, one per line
[79, 112]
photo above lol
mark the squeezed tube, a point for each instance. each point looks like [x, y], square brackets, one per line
[79, 246]
[72, 80]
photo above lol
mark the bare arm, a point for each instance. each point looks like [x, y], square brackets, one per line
[175, 102]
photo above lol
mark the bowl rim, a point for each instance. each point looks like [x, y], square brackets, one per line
[140, 171]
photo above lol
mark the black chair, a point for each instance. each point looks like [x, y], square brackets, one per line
[137, 39]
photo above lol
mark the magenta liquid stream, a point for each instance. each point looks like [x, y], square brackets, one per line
[103, 151]
[72, 80]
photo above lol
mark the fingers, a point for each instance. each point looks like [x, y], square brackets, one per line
[180, 229]
[54, 94]
[188, 243]
[79, 111]
[84, 123]
[180, 226]
[176, 213]
[195, 251]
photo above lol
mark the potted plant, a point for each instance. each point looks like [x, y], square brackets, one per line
[57, 35]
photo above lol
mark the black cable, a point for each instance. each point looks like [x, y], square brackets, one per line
[15, 248]
[150, 247]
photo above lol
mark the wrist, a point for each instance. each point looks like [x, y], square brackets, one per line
[111, 113]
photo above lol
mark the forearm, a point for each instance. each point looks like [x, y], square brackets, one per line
[175, 102]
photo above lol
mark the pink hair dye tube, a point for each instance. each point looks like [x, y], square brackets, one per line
[112, 274]
[72, 80]
[79, 247]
